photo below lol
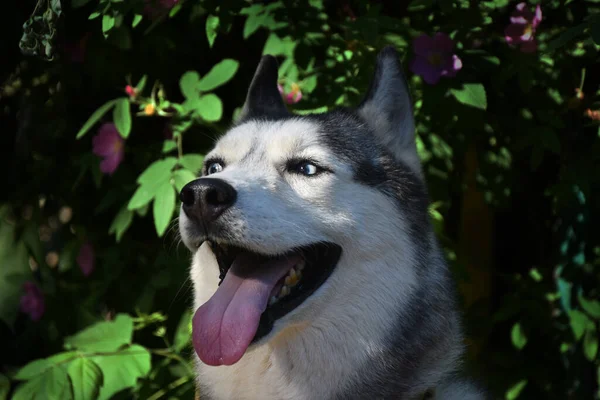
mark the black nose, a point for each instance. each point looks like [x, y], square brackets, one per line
[207, 198]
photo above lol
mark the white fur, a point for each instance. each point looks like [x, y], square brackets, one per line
[276, 211]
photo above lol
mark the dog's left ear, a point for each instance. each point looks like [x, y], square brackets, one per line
[387, 108]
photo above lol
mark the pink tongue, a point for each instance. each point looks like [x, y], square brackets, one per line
[224, 326]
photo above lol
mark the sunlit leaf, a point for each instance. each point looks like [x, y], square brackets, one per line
[471, 94]
[164, 205]
[218, 75]
[95, 117]
[86, 378]
[103, 336]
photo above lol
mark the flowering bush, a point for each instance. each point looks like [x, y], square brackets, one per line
[112, 104]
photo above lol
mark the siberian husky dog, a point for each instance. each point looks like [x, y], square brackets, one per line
[315, 268]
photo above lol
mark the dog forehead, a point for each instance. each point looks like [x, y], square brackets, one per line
[273, 138]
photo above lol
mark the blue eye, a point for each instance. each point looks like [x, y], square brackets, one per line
[214, 167]
[307, 168]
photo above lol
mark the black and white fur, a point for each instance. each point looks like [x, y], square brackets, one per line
[385, 324]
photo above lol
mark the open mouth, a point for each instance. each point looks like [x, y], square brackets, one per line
[254, 291]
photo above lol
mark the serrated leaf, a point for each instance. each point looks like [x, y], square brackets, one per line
[4, 387]
[103, 336]
[183, 333]
[122, 117]
[592, 307]
[192, 162]
[95, 117]
[578, 322]
[51, 385]
[212, 24]
[471, 94]
[518, 337]
[121, 223]
[122, 369]
[209, 107]
[516, 390]
[218, 75]
[137, 18]
[86, 378]
[38, 367]
[590, 343]
[163, 207]
[142, 196]
[188, 84]
[159, 171]
[182, 177]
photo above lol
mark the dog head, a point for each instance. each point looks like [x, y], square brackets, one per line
[291, 211]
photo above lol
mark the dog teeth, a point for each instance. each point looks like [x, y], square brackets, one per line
[285, 290]
[300, 265]
[273, 300]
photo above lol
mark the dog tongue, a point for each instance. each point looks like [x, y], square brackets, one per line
[224, 326]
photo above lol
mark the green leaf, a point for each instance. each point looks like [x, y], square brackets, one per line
[183, 334]
[108, 22]
[38, 367]
[121, 370]
[578, 322]
[590, 342]
[86, 378]
[518, 336]
[51, 385]
[121, 223]
[516, 390]
[79, 3]
[592, 307]
[253, 23]
[4, 387]
[566, 36]
[188, 84]
[471, 94]
[212, 24]
[103, 336]
[209, 107]
[218, 75]
[122, 117]
[169, 146]
[158, 172]
[141, 84]
[164, 205]
[99, 113]
[193, 162]
[137, 18]
[142, 196]
[182, 177]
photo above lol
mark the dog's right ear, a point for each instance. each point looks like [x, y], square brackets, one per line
[263, 98]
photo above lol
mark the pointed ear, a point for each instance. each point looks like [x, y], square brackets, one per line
[263, 98]
[387, 108]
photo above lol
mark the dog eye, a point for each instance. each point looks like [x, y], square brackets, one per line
[214, 167]
[307, 168]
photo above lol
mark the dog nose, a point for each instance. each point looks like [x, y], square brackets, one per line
[207, 198]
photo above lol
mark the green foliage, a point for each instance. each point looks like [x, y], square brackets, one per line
[510, 145]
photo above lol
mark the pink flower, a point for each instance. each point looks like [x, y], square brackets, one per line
[521, 31]
[86, 259]
[434, 58]
[131, 91]
[109, 144]
[294, 96]
[154, 8]
[32, 301]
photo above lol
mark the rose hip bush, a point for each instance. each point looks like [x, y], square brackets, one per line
[108, 107]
